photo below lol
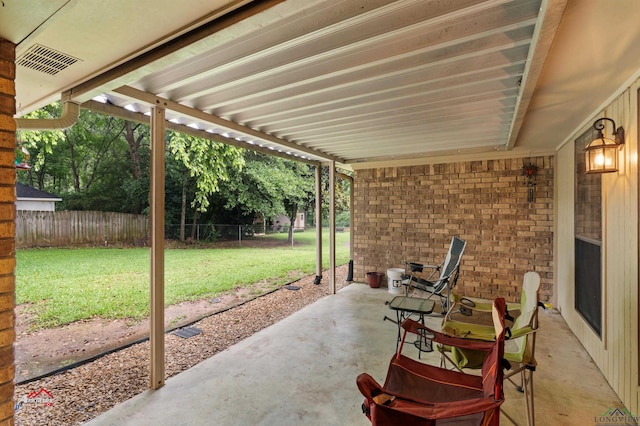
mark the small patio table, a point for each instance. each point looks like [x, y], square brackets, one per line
[406, 306]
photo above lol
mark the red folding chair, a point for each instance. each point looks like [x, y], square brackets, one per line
[415, 393]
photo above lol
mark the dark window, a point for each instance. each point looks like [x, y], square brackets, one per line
[588, 238]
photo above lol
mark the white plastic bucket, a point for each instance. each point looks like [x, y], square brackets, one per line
[394, 280]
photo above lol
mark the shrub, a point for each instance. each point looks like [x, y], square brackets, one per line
[343, 219]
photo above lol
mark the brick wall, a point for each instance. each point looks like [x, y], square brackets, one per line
[7, 229]
[412, 212]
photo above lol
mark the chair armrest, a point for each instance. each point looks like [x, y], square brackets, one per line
[368, 386]
[482, 305]
[431, 266]
[522, 332]
[466, 330]
[419, 283]
[468, 305]
[422, 265]
[411, 326]
[473, 303]
[418, 267]
[465, 306]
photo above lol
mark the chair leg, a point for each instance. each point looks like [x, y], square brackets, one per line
[519, 387]
[527, 383]
[511, 419]
[523, 381]
[525, 386]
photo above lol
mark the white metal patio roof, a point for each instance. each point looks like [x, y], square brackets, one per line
[361, 82]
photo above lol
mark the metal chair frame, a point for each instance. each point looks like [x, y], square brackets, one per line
[524, 358]
[449, 271]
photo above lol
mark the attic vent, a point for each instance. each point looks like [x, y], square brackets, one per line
[46, 60]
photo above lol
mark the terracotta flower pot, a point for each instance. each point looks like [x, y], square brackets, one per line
[374, 279]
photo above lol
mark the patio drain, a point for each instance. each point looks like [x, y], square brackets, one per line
[292, 287]
[187, 332]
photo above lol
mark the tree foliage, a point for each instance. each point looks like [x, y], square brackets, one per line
[85, 164]
[207, 162]
[341, 192]
[102, 163]
[269, 186]
[48, 161]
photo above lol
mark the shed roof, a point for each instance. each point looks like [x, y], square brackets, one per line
[24, 191]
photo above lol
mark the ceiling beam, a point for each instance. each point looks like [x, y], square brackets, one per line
[152, 99]
[138, 117]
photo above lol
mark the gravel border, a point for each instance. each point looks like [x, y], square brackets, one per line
[81, 394]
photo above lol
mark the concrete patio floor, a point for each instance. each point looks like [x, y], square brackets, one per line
[302, 370]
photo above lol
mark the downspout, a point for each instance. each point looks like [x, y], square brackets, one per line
[69, 117]
[350, 179]
[318, 278]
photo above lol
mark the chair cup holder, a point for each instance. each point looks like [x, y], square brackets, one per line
[465, 306]
[424, 342]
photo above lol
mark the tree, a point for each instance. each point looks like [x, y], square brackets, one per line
[102, 163]
[341, 192]
[90, 145]
[136, 135]
[90, 165]
[137, 187]
[49, 166]
[207, 163]
[270, 186]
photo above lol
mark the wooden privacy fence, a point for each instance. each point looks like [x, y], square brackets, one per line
[61, 228]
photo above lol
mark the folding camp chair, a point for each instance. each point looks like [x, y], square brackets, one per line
[420, 394]
[441, 285]
[463, 320]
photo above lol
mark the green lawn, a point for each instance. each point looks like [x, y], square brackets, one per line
[64, 285]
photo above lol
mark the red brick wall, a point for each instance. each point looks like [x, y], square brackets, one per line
[7, 228]
[412, 212]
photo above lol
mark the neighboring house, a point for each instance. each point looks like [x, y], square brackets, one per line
[28, 198]
[281, 222]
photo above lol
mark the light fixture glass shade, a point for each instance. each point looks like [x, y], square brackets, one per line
[601, 156]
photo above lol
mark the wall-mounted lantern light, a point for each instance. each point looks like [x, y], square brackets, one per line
[601, 155]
